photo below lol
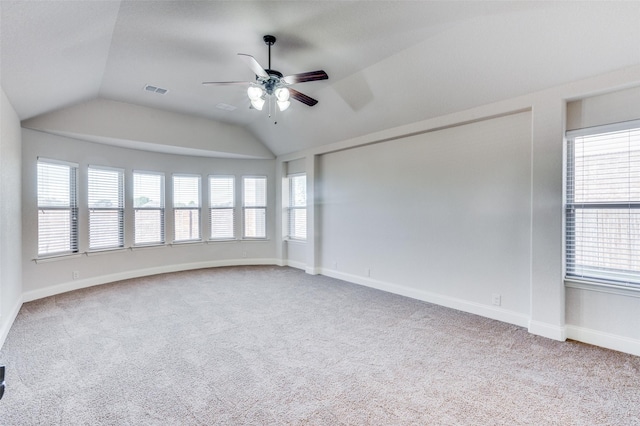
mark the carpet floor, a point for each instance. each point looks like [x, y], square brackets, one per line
[270, 345]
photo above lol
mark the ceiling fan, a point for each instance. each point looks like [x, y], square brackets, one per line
[270, 83]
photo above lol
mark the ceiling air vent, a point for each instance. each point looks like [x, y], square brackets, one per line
[225, 107]
[154, 89]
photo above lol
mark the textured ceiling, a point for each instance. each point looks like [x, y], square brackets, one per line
[389, 62]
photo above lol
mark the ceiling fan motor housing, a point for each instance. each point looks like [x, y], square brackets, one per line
[273, 82]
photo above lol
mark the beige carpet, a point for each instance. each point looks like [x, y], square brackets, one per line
[271, 346]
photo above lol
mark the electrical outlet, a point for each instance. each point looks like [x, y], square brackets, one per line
[497, 300]
[75, 275]
[369, 272]
[335, 265]
[244, 254]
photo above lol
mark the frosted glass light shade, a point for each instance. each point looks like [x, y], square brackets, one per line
[283, 105]
[257, 103]
[255, 92]
[282, 94]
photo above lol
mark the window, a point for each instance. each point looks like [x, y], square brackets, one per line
[57, 208]
[221, 206]
[254, 206]
[106, 208]
[186, 207]
[148, 208]
[298, 207]
[603, 203]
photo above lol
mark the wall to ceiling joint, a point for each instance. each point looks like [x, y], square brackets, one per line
[134, 126]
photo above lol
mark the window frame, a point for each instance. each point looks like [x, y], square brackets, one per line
[119, 209]
[598, 275]
[177, 209]
[257, 208]
[160, 209]
[72, 208]
[292, 208]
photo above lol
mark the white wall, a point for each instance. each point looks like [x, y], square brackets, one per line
[43, 278]
[443, 215]
[363, 184]
[296, 255]
[10, 216]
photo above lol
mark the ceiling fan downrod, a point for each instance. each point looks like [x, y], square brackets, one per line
[270, 41]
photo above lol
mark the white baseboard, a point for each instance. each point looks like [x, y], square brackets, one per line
[605, 340]
[294, 264]
[312, 271]
[487, 311]
[550, 331]
[105, 279]
[8, 322]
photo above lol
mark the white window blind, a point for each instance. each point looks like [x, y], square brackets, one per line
[221, 206]
[186, 207]
[297, 210]
[603, 204]
[106, 208]
[148, 208]
[57, 208]
[254, 206]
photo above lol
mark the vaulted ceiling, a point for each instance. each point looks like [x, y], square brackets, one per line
[389, 62]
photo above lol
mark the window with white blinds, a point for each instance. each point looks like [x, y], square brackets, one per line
[148, 208]
[254, 206]
[297, 210]
[105, 191]
[603, 204]
[221, 207]
[186, 207]
[57, 208]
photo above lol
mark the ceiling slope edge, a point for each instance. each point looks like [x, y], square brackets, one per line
[133, 126]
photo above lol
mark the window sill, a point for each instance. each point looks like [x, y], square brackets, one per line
[105, 251]
[80, 254]
[186, 243]
[148, 246]
[70, 256]
[222, 240]
[57, 258]
[295, 241]
[628, 290]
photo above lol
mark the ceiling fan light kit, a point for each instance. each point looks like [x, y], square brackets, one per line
[282, 93]
[283, 105]
[270, 86]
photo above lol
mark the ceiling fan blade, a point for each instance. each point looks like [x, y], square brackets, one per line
[228, 83]
[305, 76]
[301, 97]
[254, 65]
